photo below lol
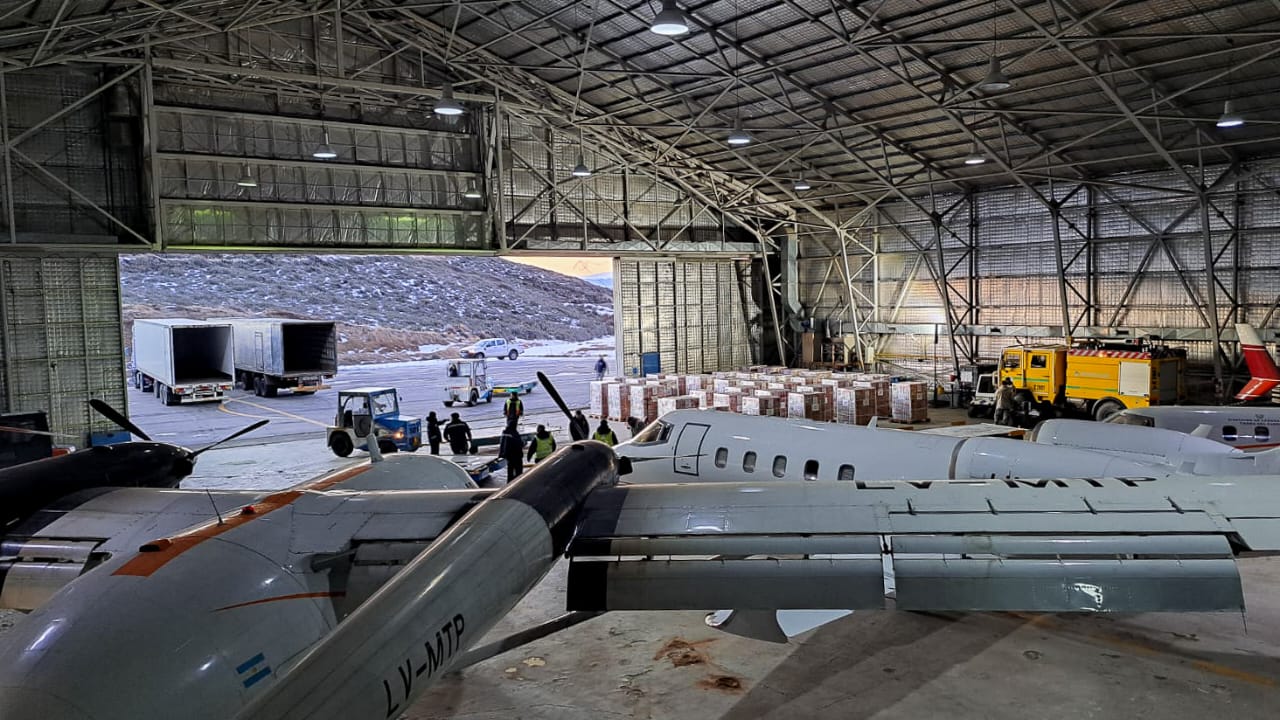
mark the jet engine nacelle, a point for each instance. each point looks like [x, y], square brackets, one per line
[1143, 443]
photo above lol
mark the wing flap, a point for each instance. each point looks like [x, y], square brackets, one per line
[1092, 585]
[756, 584]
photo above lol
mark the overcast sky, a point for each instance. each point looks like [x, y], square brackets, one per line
[576, 266]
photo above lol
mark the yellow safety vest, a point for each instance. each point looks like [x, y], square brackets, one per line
[543, 447]
[607, 438]
[514, 406]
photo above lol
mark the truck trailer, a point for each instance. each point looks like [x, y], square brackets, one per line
[182, 361]
[281, 353]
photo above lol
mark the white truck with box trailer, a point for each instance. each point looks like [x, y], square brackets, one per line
[182, 361]
[273, 354]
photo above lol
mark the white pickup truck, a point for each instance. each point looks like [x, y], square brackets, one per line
[497, 348]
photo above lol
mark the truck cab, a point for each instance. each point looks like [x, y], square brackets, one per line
[375, 410]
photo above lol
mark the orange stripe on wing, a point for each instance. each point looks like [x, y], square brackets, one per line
[155, 555]
[296, 596]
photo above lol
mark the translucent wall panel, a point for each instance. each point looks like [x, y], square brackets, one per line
[60, 321]
[695, 314]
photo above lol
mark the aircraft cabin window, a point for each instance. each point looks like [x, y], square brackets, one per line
[780, 466]
[1039, 361]
[722, 457]
[1262, 432]
[845, 474]
[810, 470]
[749, 462]
[1229, 433]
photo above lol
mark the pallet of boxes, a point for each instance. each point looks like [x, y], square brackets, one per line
[910, 402]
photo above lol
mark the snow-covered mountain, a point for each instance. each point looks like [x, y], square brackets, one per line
[389, 307]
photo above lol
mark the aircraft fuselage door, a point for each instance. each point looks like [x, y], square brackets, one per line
[689, 447]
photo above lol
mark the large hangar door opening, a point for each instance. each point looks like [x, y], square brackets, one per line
[695, 315]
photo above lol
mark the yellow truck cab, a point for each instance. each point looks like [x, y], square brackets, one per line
[1099, 379]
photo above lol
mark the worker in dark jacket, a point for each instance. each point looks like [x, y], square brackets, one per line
[579, 428]
[511, 449]
[542, 445]
[433, 432]
[605, 434]
[458, 433]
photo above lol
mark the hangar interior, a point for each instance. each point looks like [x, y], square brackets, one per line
[886, 173]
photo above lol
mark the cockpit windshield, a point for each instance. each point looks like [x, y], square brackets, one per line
[655, 433]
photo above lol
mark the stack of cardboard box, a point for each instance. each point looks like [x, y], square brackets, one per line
[855, 405]
[911, 401]
[677, 402]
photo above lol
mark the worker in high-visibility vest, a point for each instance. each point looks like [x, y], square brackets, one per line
[513, 410]
[543, 444]
[604, 434]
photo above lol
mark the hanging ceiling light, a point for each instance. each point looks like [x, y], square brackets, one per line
[739, 137]
[581, 170]
[246, 178]
[995, 81]
[446, 105]
[669, 20]
[975, 156]
[472, 192]
[1230, 118]
[801, 184]
[325, 151]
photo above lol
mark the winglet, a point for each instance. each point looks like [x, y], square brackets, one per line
[1261, 365]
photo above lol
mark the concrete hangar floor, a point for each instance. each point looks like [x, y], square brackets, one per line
[883, 665]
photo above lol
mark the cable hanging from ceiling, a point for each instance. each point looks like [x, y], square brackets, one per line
[995, 80]
[1230, 118]
[738, 137]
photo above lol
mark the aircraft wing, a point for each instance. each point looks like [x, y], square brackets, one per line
[58, 544]
[1056, 545]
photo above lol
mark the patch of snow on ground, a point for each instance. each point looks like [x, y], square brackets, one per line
[602, 346]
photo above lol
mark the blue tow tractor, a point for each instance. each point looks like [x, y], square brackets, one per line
[375, 410]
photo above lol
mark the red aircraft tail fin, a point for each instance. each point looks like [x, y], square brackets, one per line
[1261, 366]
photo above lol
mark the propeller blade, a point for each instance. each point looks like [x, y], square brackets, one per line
[25, 431]
[114, 416]
[232, 436]
[555, 395]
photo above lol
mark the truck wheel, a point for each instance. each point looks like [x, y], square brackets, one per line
[513, 355]
[387, 445]
[171, 398]
[448, 403]
[258, 386]
[340, 444]
[975, 411]
[1106, 409]
[480, 356]
[269, 390]
[475, 398]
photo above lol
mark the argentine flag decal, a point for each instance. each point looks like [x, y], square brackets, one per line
[253, 670]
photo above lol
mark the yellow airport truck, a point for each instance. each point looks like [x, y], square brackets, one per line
[1097, 379]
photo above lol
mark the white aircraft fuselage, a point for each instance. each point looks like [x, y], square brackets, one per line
[1244, 427]
[706, 445]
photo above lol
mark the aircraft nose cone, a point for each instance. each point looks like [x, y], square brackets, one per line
[24, 704]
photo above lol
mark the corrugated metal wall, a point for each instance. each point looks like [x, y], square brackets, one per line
[92, 146]
[389, 188]
[60, 322]
[999, 258]
[695, 313]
